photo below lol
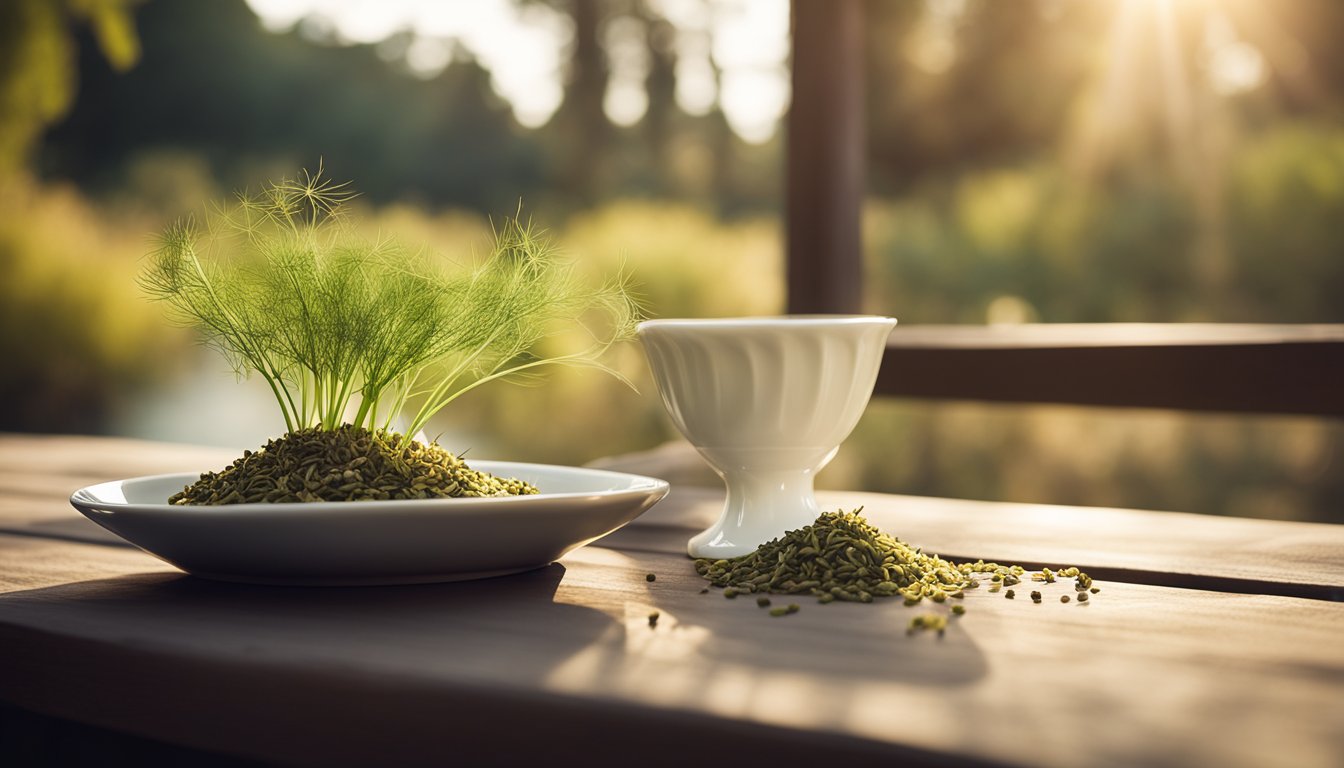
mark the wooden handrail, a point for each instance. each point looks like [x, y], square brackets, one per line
[1269, 369]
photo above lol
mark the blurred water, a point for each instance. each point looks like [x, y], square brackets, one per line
[209, 405]
[206, 405]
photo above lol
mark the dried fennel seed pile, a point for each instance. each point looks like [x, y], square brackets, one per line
[842, 556]
[345, 464]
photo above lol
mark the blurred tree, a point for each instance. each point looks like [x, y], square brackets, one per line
[581, 130]
[38, 63]
[213, 82]
[1300, 42]
[954, 86]
[661, 86]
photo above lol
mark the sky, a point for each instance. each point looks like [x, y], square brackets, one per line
[524, 46]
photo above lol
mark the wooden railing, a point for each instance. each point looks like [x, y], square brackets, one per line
[1270, 369]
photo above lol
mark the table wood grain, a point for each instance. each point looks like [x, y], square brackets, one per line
[561, 664]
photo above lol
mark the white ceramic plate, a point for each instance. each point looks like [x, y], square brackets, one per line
[374, 542]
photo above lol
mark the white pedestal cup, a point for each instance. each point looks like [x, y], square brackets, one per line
[767, 402]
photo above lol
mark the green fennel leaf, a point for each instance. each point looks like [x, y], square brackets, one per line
[348, 330]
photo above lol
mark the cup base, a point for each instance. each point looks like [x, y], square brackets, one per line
[759, 508]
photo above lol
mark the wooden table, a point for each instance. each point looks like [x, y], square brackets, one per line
[1212, 642]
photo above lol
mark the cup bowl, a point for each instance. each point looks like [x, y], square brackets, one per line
[767, 402]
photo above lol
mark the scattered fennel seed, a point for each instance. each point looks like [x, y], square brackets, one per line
[927, 621]
[841, 556]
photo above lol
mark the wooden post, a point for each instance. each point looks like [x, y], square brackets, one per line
[825, 158]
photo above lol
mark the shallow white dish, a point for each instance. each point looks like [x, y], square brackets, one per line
[373, 542]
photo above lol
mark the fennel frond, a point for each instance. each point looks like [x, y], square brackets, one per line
[347, 330]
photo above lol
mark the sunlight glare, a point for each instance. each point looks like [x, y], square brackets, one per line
[523, 45]
[520, 46]
[697, 88]
[934, 48]
[1234, 65]
[1145, 84]
[751, 44]
[626, 100]
[428, 56]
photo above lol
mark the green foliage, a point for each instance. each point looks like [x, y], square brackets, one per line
[1125, 250]
[1284, 200]
[445, 141]
[38, 63]
[281, 284]
[75, 340]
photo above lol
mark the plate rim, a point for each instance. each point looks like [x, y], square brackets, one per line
[85, 499]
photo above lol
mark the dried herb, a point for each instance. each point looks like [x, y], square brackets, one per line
[927, 621]
[345, 464]
[841, 556]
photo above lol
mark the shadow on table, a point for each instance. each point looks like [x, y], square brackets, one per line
[77, 529]
[839, 646]
[704, 642]
[387, 629]
[873, 648]
[413, 674]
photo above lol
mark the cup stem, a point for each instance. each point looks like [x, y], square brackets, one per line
[761, 505]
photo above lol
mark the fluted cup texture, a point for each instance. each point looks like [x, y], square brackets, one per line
[767, 402]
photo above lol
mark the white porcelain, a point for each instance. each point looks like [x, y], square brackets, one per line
[374, 542]
[767, 402]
